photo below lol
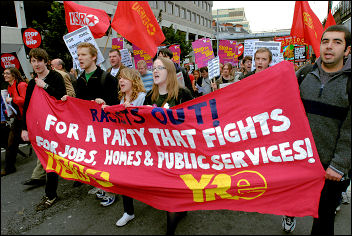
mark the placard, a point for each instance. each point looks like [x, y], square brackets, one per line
[78, 36]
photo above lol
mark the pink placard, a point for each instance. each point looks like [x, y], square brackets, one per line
[176, 51]
[228, 51]
[140, 54]
[203, 51]
[117, 43]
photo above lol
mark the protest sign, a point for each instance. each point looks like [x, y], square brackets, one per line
[117, 43]
[140, 54]
[249, 47]
[300, 53]
[203, 51]
[246, 147]
[9, 60]
[126, 58]
[76, 37]
[240, 49]
[213, 67]
[176, 51]
[180, 79]
[274, 47]
[289, 40]
[31, 39]
[9, 109]
[228, 51]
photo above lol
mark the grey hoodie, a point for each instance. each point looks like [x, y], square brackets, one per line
[328, 109]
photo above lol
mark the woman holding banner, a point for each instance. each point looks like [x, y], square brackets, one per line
[131, 93]
[167, 93]
[16, 95]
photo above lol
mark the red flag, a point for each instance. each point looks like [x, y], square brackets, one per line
[78, 16]
[135, 21]
[329, 21]
[307, 25]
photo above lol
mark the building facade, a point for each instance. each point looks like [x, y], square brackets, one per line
[234, 16]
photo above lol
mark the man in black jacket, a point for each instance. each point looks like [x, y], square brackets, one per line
[94, 83]
[53, 83]
[98, 85]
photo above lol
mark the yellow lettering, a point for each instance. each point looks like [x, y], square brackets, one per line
[223, 183]
[195, 186]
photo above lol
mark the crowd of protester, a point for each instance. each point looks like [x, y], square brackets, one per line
[160, 87]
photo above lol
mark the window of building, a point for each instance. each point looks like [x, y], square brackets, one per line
[177, 10]
[198, 19]
[202, 20]
[236, 13]
[188, 15]
[182, 13]
[169, 8]
[161, 5]
[193, 17]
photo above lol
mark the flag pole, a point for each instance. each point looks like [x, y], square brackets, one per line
[107, 40]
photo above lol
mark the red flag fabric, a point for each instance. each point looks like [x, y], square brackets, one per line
[329, 21]
[135, 21]
[245, 147]
[307, 25]
[77, 16]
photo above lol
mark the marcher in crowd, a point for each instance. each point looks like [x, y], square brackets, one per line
[167, 53]
[17, 92]
[146, 75]
[246, 66]
[262, 60]
[98, 85]
[204, 83]
[132, 93]
[73, 73]
[326, 95]
[53, 83]
[116, 65]
[166, 92]
[196, 75]
[58, 65]
[225, 77]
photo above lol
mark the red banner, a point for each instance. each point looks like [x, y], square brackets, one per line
[307, 25]
[329, 21]
[77, 16]
[136, 22]
[246, 147]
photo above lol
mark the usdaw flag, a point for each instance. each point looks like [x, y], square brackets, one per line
[135, 21]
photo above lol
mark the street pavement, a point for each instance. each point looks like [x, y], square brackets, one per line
[77, 213]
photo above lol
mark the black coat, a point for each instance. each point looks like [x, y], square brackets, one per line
[98, 88]
[56, 88]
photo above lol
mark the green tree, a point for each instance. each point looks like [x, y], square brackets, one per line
[52, 31]
[177, 37]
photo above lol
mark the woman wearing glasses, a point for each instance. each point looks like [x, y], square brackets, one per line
[167, 93]
[16, 94]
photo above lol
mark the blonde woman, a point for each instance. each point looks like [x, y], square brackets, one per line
[131, 93]
[167, 93]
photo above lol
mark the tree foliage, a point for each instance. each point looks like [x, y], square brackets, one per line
[52, 31]
[177, 37]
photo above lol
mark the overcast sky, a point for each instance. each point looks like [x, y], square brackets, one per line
[270, 15]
